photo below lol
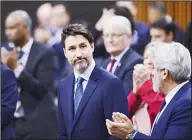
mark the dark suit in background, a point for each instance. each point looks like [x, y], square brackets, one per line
[36, 82]
[124, 70]
[9, 97]
[103, 95]
[142, 37]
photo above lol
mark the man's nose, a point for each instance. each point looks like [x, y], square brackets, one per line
[79, 53]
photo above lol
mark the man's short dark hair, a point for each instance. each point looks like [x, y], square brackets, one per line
[164, 24]
[76, 29]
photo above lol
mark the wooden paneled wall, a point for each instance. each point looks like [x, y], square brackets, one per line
[180, 11]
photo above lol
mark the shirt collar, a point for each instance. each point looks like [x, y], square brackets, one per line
[172, 93]
[27, 47]
[87, 73]
[118, 57]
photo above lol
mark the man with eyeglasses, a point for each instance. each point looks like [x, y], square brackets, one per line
[117, 40]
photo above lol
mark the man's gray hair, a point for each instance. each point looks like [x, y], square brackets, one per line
[175, 58]
[23, 16]
[122, 21]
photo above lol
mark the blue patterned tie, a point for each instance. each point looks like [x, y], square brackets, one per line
[20, 54]
[78, 93]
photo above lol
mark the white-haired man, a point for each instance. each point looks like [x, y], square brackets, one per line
[117, 40]
[172, 70]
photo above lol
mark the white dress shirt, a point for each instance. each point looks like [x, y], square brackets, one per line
[85, 75]
[23, 60]
[118, 59]
[19, 112]
[168, 99]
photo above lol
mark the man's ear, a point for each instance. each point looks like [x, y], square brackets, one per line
[64, 50]
[164, 74]
[92, 45]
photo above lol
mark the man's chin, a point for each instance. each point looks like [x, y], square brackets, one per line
[81, 66]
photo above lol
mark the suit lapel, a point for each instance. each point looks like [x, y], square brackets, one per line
[32, 55]
[70, 91]
[105, 63]
[122, 62]
[170, 106]
[90, 88]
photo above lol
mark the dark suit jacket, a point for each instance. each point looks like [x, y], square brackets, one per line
[143, 34]
[175, 122]
[9, 97]
[124, 71]
[103, 95]
[36, 81]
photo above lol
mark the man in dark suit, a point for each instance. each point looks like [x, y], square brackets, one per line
[117, 39]
[141, 36]
[9, 97]
[34, 66]
[90, 94]
[170, 76]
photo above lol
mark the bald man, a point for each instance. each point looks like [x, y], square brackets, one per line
[43, 15]
[34, 67]
[117, 40]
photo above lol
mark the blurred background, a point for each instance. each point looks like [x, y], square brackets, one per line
[180, 11]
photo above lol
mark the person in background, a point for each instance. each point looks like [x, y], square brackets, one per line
[141, 34]
[100, 51]
[90, 94]
[9, 97]
[188, 39]
[163, 30]
[171, 74]
[158, 11]
[117, 39]
[43, 15]
[143, 97]
[34, 66]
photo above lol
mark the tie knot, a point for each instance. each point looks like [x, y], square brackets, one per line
[113, 60]
[20, 54]
[80, 80]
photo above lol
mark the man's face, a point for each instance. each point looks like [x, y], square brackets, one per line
[79, 52]
[115, 39]
[14, 29]
[157, 80]
[158, 35]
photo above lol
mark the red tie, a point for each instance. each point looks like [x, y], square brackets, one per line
[112, 64]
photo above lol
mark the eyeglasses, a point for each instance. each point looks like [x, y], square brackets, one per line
[113, 35]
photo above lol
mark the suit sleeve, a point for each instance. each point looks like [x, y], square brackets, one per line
[62, 132]
[180, 123]
[115, 99]
[39, 85]
[9, 97]
[179, 126]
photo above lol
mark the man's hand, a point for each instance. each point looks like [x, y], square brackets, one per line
[121, 126]
[12, 59]
[140, 76]
[105, 16]
[4, 55]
